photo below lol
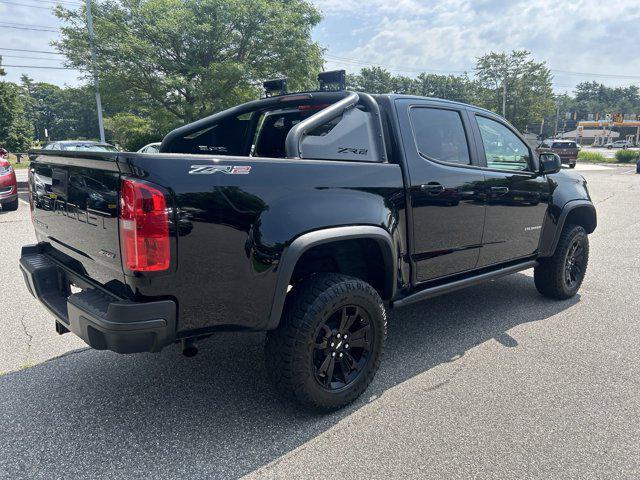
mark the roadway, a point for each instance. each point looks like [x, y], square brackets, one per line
[489, 382]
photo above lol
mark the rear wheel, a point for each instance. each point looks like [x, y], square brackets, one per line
[327, 348]
[561, 275]
[10, 206]
[572, 165]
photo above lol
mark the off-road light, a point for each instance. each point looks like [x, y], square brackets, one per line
[277, 86]
[334, 80]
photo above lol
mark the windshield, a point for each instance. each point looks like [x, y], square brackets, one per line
[88, 147]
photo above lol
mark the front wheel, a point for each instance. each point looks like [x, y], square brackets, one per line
[328, 346]
[561, 275]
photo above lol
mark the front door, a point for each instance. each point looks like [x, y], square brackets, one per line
[445, 188]
[517, 195]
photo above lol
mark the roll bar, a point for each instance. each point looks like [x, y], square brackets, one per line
[298, 132]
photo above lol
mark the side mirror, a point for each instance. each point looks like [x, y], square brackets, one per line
[549, 163]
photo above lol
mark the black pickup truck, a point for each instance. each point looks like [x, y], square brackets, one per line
[305, 215]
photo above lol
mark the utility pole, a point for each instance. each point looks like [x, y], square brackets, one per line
[504, 96]
[96, 81]
[555, 129]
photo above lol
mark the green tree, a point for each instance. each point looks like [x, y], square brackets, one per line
[132, 132]
[194, 57]
[16, 131]
[516, 86]
[449, 87]
[372, 80]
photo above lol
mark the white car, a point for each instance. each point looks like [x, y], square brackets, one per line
[150, 148]
[619, 144]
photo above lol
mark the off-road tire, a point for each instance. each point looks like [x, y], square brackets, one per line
[550, 275]
[10, 206]
[289, 349]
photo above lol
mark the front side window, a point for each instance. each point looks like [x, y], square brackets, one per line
[503, 149]
[439, 135]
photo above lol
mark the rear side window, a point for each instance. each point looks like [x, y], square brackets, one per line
[564, 145]
[440, 135]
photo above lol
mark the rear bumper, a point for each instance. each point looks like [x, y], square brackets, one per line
[8, 192]
[8, 198]
[102, 320]
[568, 160]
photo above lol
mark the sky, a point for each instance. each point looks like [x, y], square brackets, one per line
[581, 40]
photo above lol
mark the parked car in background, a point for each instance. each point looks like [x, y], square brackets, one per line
[567, 150]
[624, 144]
[3, 153]
[81, 146]
[8, 186]
[638, 166]
[150, 148]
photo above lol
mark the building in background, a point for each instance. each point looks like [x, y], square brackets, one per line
[591, 136]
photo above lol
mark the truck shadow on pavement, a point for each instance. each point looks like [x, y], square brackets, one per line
[102, 415]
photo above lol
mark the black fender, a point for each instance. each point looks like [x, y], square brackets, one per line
[301, 244]
[555, 220]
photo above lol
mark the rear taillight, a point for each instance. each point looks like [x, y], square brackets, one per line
[144, 227]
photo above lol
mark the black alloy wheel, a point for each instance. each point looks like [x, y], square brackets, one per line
[343, 347]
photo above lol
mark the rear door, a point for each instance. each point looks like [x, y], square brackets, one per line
[517, 196]
[445, 186]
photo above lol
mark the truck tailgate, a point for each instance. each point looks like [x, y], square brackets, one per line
[74, 198]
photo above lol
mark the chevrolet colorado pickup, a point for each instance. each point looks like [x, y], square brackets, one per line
[304, 215]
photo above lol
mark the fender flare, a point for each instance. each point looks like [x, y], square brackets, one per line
[304, 242]
[548, 243]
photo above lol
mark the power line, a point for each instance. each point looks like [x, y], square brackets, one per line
[25, 5]
[53, 27]
[53, 4]
[602, 75]
[40, 66]
[399, 68]
[56, 2]
[31, 51]
[33, 58]
[30, 29]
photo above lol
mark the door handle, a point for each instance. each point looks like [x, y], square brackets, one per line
[500, 190]
[432, 187]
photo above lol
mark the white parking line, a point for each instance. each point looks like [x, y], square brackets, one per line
[633, 170]
[23, 201]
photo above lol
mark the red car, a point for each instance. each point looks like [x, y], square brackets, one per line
[8, 187]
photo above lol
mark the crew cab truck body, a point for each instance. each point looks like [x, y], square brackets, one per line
[305, 215]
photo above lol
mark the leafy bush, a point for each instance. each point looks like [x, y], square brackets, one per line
[591, 156]
[626, 156]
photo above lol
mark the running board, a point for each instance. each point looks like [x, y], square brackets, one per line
[458, 284]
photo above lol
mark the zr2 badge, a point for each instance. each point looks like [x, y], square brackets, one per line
[226, 169]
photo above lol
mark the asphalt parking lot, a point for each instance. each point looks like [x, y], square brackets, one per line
[490, 382]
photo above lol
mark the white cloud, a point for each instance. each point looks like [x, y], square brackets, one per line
[578, 35]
